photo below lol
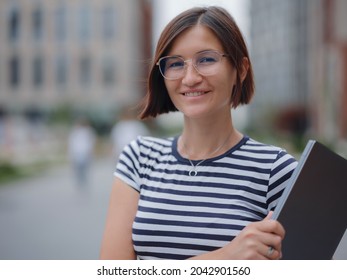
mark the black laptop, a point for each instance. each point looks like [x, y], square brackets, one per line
[313, 207]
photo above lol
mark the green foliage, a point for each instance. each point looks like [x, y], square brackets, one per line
[62, 114]
[9, 172]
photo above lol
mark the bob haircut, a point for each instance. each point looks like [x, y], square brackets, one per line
[157, 100]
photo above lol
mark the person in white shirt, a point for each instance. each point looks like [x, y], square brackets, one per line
[81, 148]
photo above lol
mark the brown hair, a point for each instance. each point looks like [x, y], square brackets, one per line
[157, 100]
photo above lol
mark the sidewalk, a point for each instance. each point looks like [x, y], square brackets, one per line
[48, 217]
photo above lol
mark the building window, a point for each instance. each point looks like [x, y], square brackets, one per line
[37, 23]
[13, 24]
[60, 20]
[108, 18]
[84, 23]
[38, 71]
[108, 71]
[14, 72]
[61, 70]
[85, 70]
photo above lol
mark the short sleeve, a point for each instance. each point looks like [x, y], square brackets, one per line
[280, 174]
[128, 165]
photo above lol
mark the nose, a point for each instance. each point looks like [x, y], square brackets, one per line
[191, 74]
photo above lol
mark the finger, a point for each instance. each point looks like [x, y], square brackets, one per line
[278, 225]
[271, 240]
[270, 226]
[271, 253]
[277, 228]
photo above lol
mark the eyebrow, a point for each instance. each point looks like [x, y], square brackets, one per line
[177, 55]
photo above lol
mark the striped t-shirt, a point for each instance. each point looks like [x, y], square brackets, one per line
[180, 216]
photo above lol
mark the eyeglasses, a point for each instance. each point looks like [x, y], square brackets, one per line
[206, 63]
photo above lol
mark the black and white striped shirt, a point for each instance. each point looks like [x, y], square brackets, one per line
[180, 216]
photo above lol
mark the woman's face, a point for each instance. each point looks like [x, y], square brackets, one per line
[195, 95]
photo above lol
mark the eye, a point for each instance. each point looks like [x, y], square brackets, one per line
[206, 59]
[174, 63]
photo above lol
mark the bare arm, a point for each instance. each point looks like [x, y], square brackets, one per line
[117, 239]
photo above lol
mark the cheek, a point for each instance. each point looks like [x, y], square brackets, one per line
[226, 83]
[225, 86]
[170, 87]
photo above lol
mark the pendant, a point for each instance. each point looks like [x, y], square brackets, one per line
[193, 173]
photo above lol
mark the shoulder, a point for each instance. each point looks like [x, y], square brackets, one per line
[265, 153]
[260, 146]
[251, 146]
[148, 144]
[152, 142]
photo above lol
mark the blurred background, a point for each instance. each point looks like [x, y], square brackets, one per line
[72, 71]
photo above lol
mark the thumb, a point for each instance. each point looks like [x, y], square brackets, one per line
[269, 215]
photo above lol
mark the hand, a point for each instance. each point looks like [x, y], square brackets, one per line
[259, 240]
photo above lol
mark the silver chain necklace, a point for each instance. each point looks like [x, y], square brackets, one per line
[193, 171]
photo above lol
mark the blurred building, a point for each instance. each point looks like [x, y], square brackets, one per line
[328, 69]
[279, 49]
[85, 53]
[299, 54]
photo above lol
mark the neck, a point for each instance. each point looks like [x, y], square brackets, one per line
[201, 142]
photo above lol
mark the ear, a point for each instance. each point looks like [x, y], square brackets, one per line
[244, 68]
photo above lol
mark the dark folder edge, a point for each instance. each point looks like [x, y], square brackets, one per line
[292, 179]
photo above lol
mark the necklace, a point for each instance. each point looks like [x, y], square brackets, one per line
[193, 171]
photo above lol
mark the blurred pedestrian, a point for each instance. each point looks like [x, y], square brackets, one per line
[207, 193]
[81, 145]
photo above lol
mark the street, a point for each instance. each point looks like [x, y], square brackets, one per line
[49, 217]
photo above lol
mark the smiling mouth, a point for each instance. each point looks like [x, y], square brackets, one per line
[193, 94]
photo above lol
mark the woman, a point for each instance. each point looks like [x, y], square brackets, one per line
[208, 193]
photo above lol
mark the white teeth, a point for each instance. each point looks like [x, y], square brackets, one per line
[189, 94]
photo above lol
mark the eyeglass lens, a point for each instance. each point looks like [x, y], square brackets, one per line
[206, 63]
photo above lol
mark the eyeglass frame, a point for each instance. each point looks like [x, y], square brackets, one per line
[186, 65]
